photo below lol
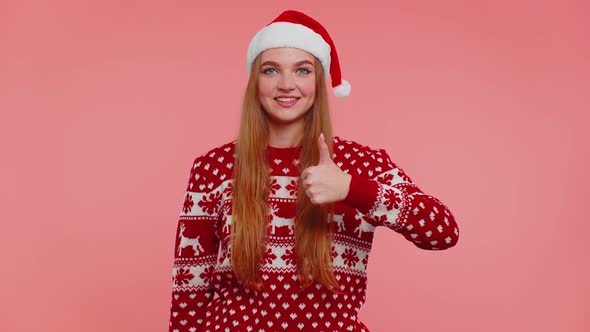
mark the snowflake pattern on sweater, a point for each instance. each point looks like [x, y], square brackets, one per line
[380, 194]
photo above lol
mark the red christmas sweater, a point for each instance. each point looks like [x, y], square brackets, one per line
[380, 194]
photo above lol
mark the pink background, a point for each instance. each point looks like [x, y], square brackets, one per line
[105, 104]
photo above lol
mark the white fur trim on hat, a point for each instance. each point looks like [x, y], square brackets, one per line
[286, 34]
[343, 89]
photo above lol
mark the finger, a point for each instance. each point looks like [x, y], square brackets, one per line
[307, 172]
[324, 151]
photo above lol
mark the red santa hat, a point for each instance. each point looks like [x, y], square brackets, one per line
[296, 29]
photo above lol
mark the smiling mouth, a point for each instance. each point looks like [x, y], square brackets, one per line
[286, 102]
[286, 99]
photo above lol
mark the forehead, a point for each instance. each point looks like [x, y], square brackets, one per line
[285, 55]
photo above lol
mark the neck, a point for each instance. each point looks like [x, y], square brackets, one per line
[285, 136]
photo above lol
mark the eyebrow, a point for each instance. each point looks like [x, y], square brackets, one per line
[296, 64]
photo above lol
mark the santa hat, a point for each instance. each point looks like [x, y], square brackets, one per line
[296, 29]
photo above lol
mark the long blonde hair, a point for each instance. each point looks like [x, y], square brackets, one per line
[251, 189]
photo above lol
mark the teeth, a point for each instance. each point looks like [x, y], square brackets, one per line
[286, 99]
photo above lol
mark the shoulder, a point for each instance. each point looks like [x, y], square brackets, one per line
[218, 153]
[348, 149]
[359, 158]
[212, 168]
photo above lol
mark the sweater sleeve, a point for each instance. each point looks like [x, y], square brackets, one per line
[195, 250]
[391, 199]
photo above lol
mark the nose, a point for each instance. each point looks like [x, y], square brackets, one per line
[286, 82]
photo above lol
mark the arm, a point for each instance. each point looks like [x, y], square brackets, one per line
[391, 199]
[195, 250]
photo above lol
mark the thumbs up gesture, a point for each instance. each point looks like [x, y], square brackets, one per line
[325, 183]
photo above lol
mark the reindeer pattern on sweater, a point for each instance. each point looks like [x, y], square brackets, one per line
[380, 194]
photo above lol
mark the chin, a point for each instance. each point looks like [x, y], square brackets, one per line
[283, 120]
[283, 115]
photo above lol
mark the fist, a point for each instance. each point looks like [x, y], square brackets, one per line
[325, 183]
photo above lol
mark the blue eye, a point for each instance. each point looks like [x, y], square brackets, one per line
[266, 71]
[305, 70]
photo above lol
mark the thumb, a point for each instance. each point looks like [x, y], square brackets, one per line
[324, 151]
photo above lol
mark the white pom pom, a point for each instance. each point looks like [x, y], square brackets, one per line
[343, 89]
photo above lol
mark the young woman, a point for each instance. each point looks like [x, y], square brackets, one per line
[291, 208]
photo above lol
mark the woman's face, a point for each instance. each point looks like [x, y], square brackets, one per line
[286, 84]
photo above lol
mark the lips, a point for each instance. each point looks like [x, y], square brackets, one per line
[286, 98]
[286, 101]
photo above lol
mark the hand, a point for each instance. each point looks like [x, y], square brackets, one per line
[325, 183]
